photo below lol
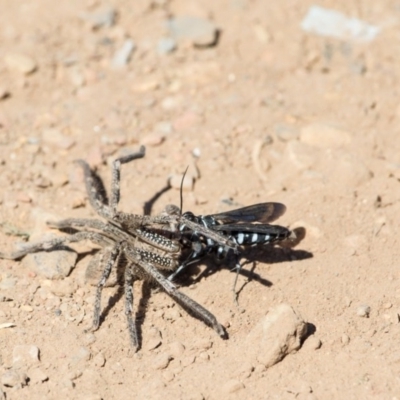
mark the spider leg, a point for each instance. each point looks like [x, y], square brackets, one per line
[96, 198]
[57, 241]
[129, 280]
[116, 177]
[112, 256]
[185, 301]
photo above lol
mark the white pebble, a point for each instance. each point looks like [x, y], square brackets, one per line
[20, 63]
[123, 55]
[363, 311]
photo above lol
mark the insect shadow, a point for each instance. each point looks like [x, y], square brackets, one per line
[266, 254]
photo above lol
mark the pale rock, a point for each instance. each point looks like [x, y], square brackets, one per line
[54, 137]
[166, 45]
[364, 311]
[145, 86]
[101, 17]
[24, 355]
[232, 386]
[301, 155]
[81, 355]
[37, 376]
[99, 360]
[175, 182]
[345, 339]
[278, 334]
[65, 287]
[20, 63]
[153, 139]
[123, 54]
[286, 133]
[324, 136]
[14, 378]
[200, 31]
[176, 349]
[312, 343]
[161, 361]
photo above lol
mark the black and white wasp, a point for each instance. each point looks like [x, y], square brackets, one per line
[247, 226]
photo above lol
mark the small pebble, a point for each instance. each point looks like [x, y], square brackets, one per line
[4, 93]
[20, 63]
[176, 349]
[123, 55]
[102, 17]
[166, 45]
[161, 361]
[99, 360]
[202, 32]
[363, 311]
[23, 197]
[8, 283]
[53, 137]
[286, 133]
[83, 354]
[168, 376]
[188, 360]
[64, 287]
[42, 182]
[13, 378]
[312, 343]
[25, 355]
[386, 306]
[176, 180]
[321, 135]
[196, 152]
[26, 308]
[153, 139]
[345, 339]
[203, 344]
[232, 386]
[37, 376]
[146, 86]
[78, 201]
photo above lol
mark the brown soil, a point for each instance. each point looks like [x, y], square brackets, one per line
[277, 114]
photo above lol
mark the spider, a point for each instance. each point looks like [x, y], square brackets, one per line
[130, 238]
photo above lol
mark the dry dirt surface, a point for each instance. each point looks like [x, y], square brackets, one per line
[261, 109]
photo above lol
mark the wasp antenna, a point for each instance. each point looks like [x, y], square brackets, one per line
[181, 191]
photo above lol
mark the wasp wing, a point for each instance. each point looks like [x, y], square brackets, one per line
[257, 228]
[263, 213]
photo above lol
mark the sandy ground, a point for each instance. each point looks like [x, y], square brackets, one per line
[271, 113]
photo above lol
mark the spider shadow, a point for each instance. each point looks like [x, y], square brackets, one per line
[148, 205]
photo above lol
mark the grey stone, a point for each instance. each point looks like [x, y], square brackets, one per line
[123, 54]
[331, 23]
[55, 264]
[166, 45]
[202, 32]
[104, 17]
